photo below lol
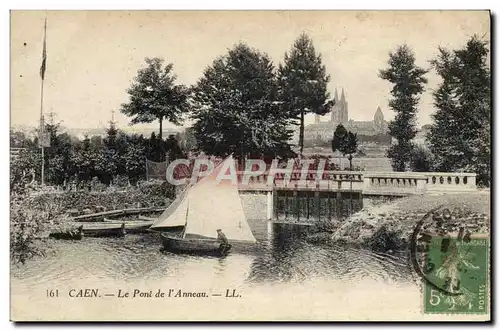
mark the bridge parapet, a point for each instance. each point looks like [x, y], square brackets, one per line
[379, 183]
[450, 181]
[328, 180]
[394, 183]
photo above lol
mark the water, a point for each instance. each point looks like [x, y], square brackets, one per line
[282, 260]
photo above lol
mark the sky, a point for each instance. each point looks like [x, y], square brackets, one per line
[93, 56]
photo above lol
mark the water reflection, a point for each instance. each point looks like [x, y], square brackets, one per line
[283, 256]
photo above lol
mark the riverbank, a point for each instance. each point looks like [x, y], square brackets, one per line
[33, 215]
[387, 226]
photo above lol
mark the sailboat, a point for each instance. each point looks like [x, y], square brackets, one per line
[203, 208]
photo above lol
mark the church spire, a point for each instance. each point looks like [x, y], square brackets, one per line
[336, 95]
[343, 95]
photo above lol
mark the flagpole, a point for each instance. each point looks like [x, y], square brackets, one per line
[42, 129]
[42, 126]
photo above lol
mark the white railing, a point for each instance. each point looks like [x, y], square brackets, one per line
[396, 183]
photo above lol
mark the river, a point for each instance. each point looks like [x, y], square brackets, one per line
[282, 272]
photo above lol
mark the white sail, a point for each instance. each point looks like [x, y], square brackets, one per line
[175, 214]
[217, 205]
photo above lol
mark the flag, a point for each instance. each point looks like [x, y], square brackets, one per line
[44, 52]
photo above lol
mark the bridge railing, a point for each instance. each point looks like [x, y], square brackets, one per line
[394, 183]
[450, 181]
[343, 180]
[398, 183]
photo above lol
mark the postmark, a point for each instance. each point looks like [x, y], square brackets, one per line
[453, 263]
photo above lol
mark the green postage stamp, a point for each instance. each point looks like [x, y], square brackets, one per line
[457, 275]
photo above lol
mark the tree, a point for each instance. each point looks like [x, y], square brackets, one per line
[134, 158]
[460, 137]
[350, 146]
[421, 159]
[235, 106]
[84, 159]
[338, 137]
[155, 96]
[337, 140]
[303, 83]
[173, 149]
[345, 142]
[408, 83]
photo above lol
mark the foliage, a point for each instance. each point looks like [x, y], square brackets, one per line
[156, 188]
[387, 238]
[408, 83]
[460, 137]
[70, 162]
[345, 142]
[27, 162]
[338, 137]
[155, 96]
[302, 82]
[421, 159]
[173, 148]
[235, 106]
[30, 216]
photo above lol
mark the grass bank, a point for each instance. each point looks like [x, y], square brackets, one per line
[35, 214]
[388, 226]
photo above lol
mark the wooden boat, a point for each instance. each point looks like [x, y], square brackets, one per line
[77, 234]
[194, 246]
[201, 210]
[105, 230]
[131, 226]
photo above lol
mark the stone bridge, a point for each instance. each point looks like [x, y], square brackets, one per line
[369, 183]
[340, 183]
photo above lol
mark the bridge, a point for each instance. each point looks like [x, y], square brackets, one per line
[335, 193]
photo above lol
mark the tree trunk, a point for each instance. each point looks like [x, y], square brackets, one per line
[160, 119]
[301, 132]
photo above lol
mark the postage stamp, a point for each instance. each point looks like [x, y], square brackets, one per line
[457, 272]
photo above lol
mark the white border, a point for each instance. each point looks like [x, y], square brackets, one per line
[186, 4]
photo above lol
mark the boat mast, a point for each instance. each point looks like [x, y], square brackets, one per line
[185, 226]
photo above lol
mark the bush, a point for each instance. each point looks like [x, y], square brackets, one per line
[97, 186]
[421, 159]
[385, 239]
[121, 181]
[30, 216]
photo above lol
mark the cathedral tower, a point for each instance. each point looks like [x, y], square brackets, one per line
[344, 113]
[340, 113]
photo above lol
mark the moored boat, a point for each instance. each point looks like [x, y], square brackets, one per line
[105, 230]
[194, 246]
[202, 210]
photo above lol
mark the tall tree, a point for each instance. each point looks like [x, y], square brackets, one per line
[408, 83]
[155, 96]
[303, 83]
[235, 106]
[345, 142]
[460, 137]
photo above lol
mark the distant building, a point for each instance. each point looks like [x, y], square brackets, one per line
[339, 115]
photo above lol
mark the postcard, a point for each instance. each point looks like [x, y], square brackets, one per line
[250, 166]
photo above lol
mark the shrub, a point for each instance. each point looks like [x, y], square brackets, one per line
[385, 239]
[421, 159]
[30, 216]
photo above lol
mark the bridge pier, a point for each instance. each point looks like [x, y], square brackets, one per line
[270, 205]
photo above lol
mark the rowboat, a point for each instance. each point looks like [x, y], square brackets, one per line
[77, 234]
[194, 246]
[201, 210]
[105, 230]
